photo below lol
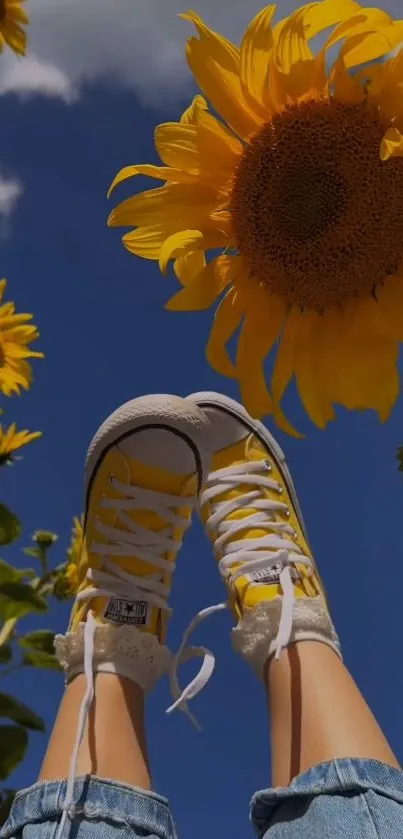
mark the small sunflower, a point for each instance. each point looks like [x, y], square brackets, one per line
[74, 553]
[12, 15]
[11, 440]
[15, 334]
[296, 176]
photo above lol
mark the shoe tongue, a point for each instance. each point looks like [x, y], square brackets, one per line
[246, 451]
[144, 476]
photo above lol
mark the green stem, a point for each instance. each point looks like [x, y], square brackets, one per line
[44, 560]
[7, 630]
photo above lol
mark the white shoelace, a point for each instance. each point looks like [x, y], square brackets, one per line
[113, 581]
[258, 554]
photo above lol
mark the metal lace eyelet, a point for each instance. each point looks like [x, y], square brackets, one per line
[295, 535]
[268, 466]
[280, 490]
[287, 513]
[111, 478]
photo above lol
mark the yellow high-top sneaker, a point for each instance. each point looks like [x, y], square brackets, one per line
[251, 514]
[144, 469]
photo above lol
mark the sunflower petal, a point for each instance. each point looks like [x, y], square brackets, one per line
[217, 46]
[146, 241]
[176, 145]
[367, 374]
[392, 144]
[311, 389]
[258, 334]
[19, 14]
[14, 36]
[370, 378]
[346, 88]
[7, 313]
[321, 15]
[383, 84]
[179, 244]
[284, 424]
[198, 103]
[291, 45]
[226, 321]
[368, 36]
[254, 57]
[9, 319]
[174, 204]
[364, 21]
[284, 364]
[390, 302]
[368, 46]
[295, 72]
[204, 289]
[214, 62]
[213, 136]
[188, 267]
[162, 173]
[318, 16]
[207, 148]
[20, 334]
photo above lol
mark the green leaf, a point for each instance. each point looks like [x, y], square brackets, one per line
[20, 599]
[13, 745]
[6, 799]
[35, 552]
[28, 572]
[23, 593]
[6, 653]
[10, 526]
[8, 573]
[41, 639]
[20, 713]
[35, 658]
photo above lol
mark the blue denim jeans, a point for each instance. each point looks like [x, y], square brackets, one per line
[357, 799]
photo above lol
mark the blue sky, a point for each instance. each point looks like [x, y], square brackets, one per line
[107, 339]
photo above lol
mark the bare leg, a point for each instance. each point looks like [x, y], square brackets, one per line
[317, 713]
[143, 466]
[114, 743]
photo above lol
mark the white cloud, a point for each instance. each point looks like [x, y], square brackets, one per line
[10, 191]
[139, 43]
[34, 76]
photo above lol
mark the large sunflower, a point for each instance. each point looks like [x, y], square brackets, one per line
[15, 334]
[299, 182]
[12, 15]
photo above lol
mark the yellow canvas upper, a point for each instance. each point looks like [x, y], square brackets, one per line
[129, 471]
[244, 594]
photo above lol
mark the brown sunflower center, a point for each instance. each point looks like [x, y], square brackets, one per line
[317, 215]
